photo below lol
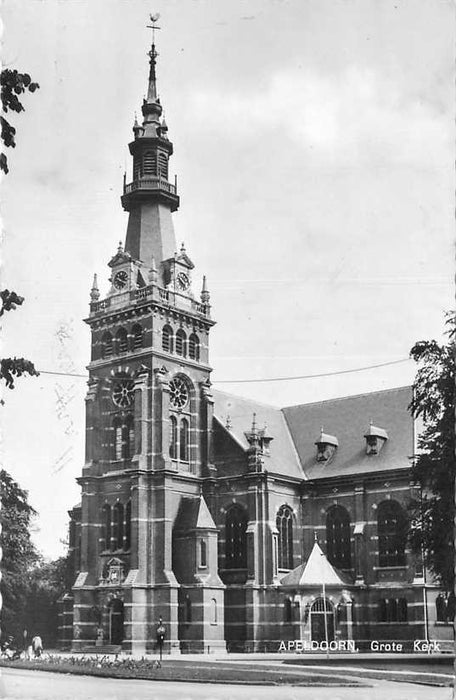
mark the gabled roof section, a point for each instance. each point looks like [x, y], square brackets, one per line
[317, 571]
[348, 419]
[237, 412]
[193, 514]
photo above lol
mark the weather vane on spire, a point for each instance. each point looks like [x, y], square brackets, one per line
[154, 19]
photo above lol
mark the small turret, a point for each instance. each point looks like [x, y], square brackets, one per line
[205, 296]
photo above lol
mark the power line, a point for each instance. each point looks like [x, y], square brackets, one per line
[265, 379]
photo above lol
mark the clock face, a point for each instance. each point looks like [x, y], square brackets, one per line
[183, 281]
[120, 279]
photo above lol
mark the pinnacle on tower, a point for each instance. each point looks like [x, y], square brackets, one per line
[94, 292]
[205, 296]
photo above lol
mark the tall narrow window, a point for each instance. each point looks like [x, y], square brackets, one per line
[284, 523]
[118, 526]
[382, 610]
[128, 525]
[106, 345]
[194, 347]
[121, 340]
[163, 166]
[183, 440]
[402, 610]
[392, 534]
[181, 343]
[213, 611]
[137, 333]
[203, 553]
[440, 605]
[150, 163]
[236, 538]
[338, 547]
[173, 437]
[136, 168]
[167, 339]
[117, 425]
[128, 437]
[106, 527]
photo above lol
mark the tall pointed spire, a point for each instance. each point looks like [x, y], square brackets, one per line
[152, 88]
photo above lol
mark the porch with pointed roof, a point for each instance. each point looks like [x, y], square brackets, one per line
[316, 571]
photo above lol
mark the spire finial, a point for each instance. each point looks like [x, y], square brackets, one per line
[254, 424]
[205, 296]
[152, 91]
[94, 292]
[228, 424]
[315, 536]
[120, 247]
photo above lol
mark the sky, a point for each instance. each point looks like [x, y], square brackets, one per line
[314, 149]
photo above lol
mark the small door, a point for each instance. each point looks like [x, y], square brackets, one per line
[116, 622]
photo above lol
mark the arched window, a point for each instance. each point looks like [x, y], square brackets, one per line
[183, 440]
[203, 553]
[121, 340]
[173, 437]
[118, 526]
[167, 339]
[163, 166]
[287, 611]
[106, 345]
[137, 333]
[213, 611]
[236, 538]
[338, 548]
[128, 437]
[117, 426]
[128, 525]
[284, 523]
[392, 610]
[181, 343]
[392, 534]
[149, 163]
[106, 527]
[194, 347]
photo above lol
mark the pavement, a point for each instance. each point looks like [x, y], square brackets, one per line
[37, 685]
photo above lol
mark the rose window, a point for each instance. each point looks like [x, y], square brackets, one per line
[178, 393]
[123, 393]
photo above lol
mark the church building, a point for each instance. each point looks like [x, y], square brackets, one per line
[238, 525]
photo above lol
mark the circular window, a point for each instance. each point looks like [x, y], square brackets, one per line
[123, 393]
[178, 393]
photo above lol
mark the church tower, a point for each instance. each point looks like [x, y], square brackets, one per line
[147, 544]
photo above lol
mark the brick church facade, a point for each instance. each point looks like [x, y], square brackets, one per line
[240, 525]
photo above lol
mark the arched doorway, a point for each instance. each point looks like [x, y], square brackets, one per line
[116, 621]
[320, 609]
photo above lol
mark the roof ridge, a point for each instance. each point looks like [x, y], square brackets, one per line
[349, 396]
[244, 398]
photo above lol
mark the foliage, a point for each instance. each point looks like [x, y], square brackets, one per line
[46, 583]
[434, 466]
[13, 84]
[19, 553]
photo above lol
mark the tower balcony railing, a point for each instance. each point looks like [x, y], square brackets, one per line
[150, 183]
[153, 293]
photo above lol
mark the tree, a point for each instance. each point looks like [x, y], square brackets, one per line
[46, 583]
[13, 84]
[434, 467]
[19, 552]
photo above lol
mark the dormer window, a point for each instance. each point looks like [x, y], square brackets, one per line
[375, 439]
[326, 447]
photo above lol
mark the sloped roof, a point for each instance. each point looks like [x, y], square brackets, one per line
[348, 419]
[193, 514]
[315, 572]
[283, 458]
